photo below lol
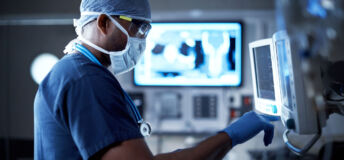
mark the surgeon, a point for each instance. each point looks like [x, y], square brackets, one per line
[82, 112]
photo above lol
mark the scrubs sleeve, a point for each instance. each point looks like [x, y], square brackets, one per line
[97, 114]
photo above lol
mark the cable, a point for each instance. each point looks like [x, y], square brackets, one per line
[7, 92]
[335, 100]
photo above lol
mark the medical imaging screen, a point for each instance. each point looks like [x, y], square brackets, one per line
[264, 75]
[191, 54]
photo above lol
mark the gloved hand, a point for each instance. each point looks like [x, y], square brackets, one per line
[247, 126]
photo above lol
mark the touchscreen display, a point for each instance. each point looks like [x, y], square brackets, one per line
[264, 75]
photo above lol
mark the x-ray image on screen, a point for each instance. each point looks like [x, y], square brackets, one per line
[191, 54]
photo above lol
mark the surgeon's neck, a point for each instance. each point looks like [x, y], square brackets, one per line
[103, 58]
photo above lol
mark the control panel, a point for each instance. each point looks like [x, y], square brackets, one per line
[205, 106]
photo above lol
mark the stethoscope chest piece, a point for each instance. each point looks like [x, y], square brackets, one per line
[145, 129]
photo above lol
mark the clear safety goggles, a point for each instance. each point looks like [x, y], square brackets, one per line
[137, 28]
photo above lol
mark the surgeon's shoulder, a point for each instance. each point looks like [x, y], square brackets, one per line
[73, 67]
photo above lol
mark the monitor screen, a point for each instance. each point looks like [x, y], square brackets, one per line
[264, 73]
[191, 54]
[284, 74]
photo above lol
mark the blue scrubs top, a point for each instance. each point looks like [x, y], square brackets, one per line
[80, 109]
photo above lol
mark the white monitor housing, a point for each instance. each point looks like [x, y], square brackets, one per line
[265, 83]
[297, 113]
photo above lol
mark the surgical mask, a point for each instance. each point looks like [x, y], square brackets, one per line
[125, 60]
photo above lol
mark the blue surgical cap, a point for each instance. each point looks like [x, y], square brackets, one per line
[91, 9]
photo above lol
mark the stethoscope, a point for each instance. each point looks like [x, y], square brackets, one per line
[145, 127]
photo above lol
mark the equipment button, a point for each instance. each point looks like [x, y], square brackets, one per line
[274, 109]
[290, 123]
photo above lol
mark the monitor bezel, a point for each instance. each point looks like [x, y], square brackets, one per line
[202, 86]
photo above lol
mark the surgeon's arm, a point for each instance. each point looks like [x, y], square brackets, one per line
[214, 147]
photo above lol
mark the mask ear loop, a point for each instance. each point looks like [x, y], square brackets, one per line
[119, 26]
[81, 38]
[122, 29]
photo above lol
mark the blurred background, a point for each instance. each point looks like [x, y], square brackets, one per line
[34, 33]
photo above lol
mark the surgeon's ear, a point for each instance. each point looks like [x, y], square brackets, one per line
[103, 24]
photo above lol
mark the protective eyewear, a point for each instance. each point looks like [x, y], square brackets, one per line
[138, 28]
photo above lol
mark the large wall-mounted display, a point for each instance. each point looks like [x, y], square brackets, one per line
[191, 54]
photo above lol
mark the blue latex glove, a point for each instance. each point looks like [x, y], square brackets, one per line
[247, 126]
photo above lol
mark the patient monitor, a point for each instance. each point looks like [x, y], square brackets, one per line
[279, 88]
[297, 113]
[265, 84]
[278, 84]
